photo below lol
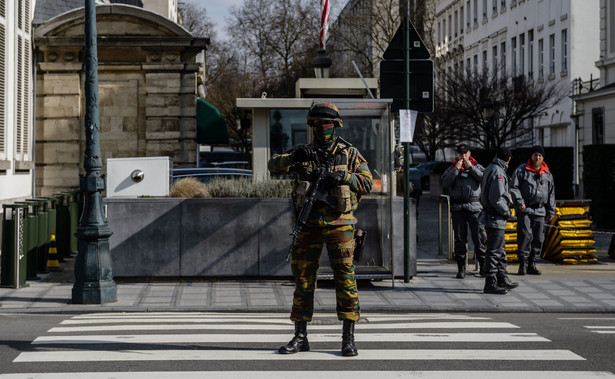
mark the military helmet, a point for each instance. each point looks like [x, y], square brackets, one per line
[325, 111]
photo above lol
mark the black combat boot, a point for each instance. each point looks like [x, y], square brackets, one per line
[299, 341]
[503, 281]
[461, 268]
[491, 286]
[522, 266]
[532, 270]
[348, 347]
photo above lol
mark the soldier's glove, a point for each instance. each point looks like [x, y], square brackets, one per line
[335, 179]
[304, 154]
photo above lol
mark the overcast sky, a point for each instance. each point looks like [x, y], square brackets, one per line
[218, 10]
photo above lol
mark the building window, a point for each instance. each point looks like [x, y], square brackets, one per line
[475, 12]
[450, 27]
[611, 39]
[513, 56]
[494, 58]
[503, 59]
[485, 60]
[456, 23]
[484, 9]
[444, 31]
[552, 54]
[461, 20]
[503, 4]
[530, 54]
[439, 37]
[22, 124]
[598, 126]
[469, 16]
[522, 54]
[495, 6]
[541, 58]
[564, 51]
[475, 62]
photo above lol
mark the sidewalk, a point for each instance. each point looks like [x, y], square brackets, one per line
[561, 288]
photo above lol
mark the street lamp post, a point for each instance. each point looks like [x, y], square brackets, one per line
[321, 64]
[93, 275]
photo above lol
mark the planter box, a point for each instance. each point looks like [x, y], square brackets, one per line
[170, 237]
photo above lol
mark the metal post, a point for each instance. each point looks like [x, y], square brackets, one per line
[93, 274]
[407, 155]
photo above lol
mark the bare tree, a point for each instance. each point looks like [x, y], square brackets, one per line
[279, 38]
[490, 110]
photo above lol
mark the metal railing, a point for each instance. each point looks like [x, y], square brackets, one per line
[449, 225]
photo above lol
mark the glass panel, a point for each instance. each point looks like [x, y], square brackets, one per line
[288, 128]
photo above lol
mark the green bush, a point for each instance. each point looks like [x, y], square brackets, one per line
[244, 187]
[599, 183]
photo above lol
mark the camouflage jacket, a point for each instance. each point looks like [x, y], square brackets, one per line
[358, 179]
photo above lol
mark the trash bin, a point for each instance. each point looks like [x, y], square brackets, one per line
[43, 238]
[63, 225]
[13, 259]
[74, 209]
[31, 239]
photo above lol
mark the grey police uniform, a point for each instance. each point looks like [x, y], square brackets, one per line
[465, 188]
[496, 210]
[535, 189]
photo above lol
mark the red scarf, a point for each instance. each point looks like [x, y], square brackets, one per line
[472, 160]
[543, 169]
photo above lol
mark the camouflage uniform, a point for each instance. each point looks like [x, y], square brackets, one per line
[326, 225]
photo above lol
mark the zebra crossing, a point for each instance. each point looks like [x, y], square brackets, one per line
[598, 329]
[221, 337]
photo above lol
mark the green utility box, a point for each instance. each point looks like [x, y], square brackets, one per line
[13, 260]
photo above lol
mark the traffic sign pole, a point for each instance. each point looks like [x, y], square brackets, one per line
[406, 146]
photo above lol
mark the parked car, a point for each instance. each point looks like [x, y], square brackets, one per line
[206, 174]
[428, 168]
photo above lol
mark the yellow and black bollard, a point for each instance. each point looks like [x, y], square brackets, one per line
[52, 258]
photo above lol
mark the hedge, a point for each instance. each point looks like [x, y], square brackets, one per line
[599, 183]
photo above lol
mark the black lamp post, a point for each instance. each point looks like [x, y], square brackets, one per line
[93, 275]
[321, 64]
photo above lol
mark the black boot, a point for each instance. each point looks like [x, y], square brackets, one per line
[503, 281]
[299, 341]
[522, 266]
[348, 347]
[532, 270]
[491, 286]
[461, 268]
[481, 267]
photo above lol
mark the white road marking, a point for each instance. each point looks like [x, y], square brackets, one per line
[316, 374]
[269, 355]
[359, 326]
[283, 338]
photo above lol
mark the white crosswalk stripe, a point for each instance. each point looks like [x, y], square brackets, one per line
[175, 336]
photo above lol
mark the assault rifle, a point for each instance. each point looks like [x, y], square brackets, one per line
[316, 192]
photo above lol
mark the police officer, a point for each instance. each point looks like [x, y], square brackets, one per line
[496, 210]
[348, 180]
[533, 193]
[463, 180]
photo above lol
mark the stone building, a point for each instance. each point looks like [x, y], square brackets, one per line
[147, 74]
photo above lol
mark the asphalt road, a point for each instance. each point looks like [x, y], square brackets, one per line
[430, 344]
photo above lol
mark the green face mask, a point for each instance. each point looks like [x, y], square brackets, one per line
[323, 134]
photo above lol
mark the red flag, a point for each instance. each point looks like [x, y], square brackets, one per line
[324, 23]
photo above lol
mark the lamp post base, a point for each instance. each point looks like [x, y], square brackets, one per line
[95, 292]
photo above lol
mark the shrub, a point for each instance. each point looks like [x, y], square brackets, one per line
[188, 188]
[244, 187]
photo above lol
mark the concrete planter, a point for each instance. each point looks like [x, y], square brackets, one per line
[170, 237]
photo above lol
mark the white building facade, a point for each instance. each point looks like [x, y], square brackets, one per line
[16, 105]
[543, 40]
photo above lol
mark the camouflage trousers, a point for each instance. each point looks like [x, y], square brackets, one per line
[304, 264]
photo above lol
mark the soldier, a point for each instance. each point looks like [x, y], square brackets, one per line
[463, 179]
[348, 180]
[533, 193]
[496, 210]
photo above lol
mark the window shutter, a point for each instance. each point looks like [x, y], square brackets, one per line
[19, 129]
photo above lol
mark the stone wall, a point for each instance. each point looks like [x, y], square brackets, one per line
[147, 92]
